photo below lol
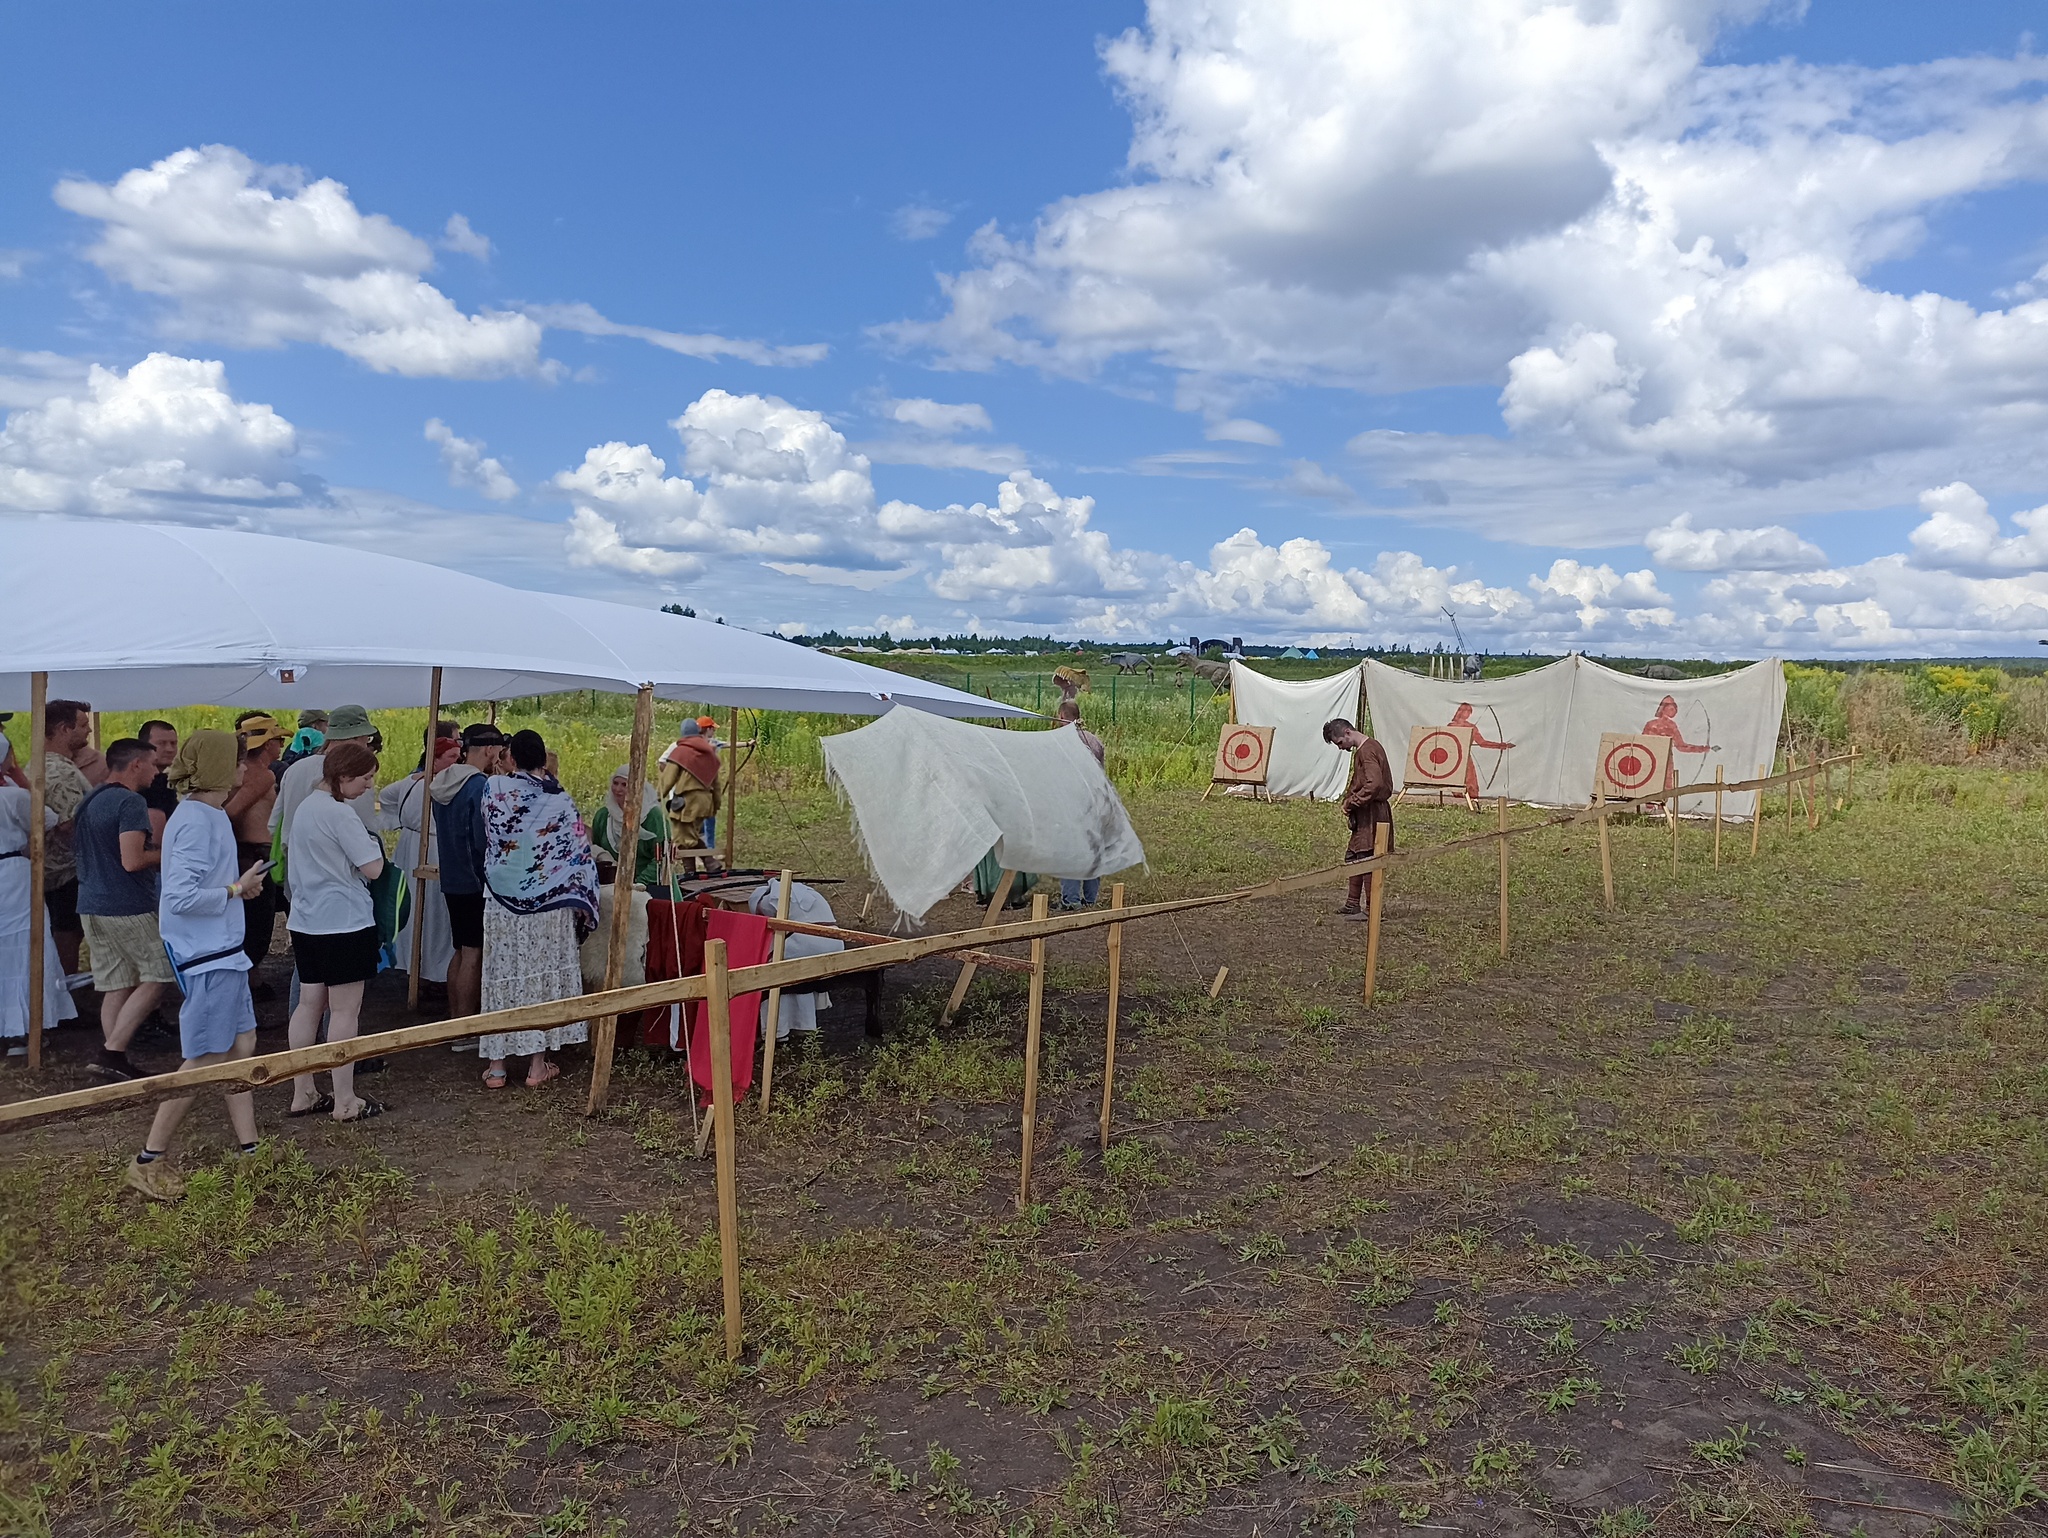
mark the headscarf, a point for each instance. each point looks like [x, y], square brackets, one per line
[205, 762]
[536, 850]
[307, 740]
[614, 813]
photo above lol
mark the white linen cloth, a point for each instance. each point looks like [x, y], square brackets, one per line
[798, 1011]
[931, 797]
[1555, 715]
[1303, 764]
[399, 806]
[14, 890]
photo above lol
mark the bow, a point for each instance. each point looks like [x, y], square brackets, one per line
[1500, 756]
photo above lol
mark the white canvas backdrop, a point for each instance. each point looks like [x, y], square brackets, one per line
[1554, 716]
[931, 796]
[1303, 764]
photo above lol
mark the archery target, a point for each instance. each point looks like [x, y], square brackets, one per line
[1632, 765]
[1438, 755]
[1243, 755]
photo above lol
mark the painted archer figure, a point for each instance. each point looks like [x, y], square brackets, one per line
[1665, 724]
[1463, 717]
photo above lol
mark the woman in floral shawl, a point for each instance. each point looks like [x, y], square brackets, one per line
[541, 880]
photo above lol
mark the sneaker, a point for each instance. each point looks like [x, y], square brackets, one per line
[113, 1065]
[155, 1180]
[1348, 911]
[17, 1051]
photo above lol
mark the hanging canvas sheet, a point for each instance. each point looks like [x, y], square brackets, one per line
[1536, 736]
[1303, 764]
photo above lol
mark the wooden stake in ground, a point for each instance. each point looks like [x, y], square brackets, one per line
[718, 1015]
[772, 1013]
[1791, 779]
[604, 1039]
[732, 786]
[1672, 808]
[1606, 849]
[38, 858]
[1503, 878]
[1812, 792]
[1849, 790]
[1720, 779]
[421, 868]
[1376, 898]
[1756, 812]
[995, 911]
[1116, 981]
[1216, 987]
[1033, 1024]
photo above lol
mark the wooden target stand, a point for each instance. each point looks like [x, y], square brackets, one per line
[1244, 757]
[1435, 772]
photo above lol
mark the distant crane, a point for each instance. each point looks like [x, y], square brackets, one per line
[1468, 662]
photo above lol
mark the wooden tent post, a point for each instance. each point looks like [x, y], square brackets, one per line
[1606, 849]
[718, 1021]
[1503, 878]
[1813, 792]
[604, 1039]
[1720, 780]
[1791, 777]
[1116, 980]
[771, 1013]
[1756, 812]
[995, 911]
[38, 859]
[1376, 897]
[421, 869]
[1849, 790]
[732, 785]
[1033, 1024]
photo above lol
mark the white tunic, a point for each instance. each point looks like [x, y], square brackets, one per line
[400, 804]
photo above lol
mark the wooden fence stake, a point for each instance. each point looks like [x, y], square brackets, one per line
[1606, 849]
[419, 872]
[1791, 778]
[1720, 780]
[604, 1039]
[1375, 899]
[1849, 790]
[1812, 793]
[1756, 812]
[1033, 1024]
[995, 911]
[772, 1011]
[38, 858]
[1503, 878]
[732, 786]
[1671, 806]
[1116, 979]
[718, 1019]
[1216, 987]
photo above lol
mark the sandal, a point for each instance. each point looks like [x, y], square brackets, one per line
[371, 1108]
[494, 1078]
[321, 1107]
[553, 1072]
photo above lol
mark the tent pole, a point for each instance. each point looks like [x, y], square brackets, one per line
[1720, 776]
[732, 785]
[995, 911]
[1756, 811]
[623, 883]
[1116, 980]
[1033, 1025]
[718, 1026]
[1606, 849]
[772, 1010]
[38, 860]
[422, 870]
[1503, 878]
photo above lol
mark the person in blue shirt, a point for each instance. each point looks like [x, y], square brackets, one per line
[458, 793]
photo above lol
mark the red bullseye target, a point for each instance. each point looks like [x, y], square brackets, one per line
[1632, 764]
[1437, 755]
[1629, 768]
[1243, 755]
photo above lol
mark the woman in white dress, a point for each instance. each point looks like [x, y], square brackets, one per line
[400, 803]
[540, 885]
[14, 888]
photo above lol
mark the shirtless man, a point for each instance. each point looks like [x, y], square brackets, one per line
[248, 810]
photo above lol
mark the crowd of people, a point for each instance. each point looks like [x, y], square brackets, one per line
[167, 860]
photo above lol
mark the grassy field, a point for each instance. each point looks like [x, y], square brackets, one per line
[1725, 1212]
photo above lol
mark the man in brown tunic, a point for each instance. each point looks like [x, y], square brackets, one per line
[1368, 802]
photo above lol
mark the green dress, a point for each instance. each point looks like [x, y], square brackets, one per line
[653, 829]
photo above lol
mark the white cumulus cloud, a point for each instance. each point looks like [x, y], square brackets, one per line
[1961, 535]
[919, 221]
[167, 434]
[259, 256]
[1678, 546]
[457, 236]
[468, 465]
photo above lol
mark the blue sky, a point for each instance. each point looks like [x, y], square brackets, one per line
[1661, 326]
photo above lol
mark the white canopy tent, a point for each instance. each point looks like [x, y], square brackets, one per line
[178, 616]
[142, 616]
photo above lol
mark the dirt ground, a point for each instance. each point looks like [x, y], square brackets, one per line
[1724, 1211]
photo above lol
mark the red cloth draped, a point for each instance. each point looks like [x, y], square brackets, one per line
[747, 944]
[675, 948]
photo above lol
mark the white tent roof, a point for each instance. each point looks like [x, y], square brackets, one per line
[142, 616]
